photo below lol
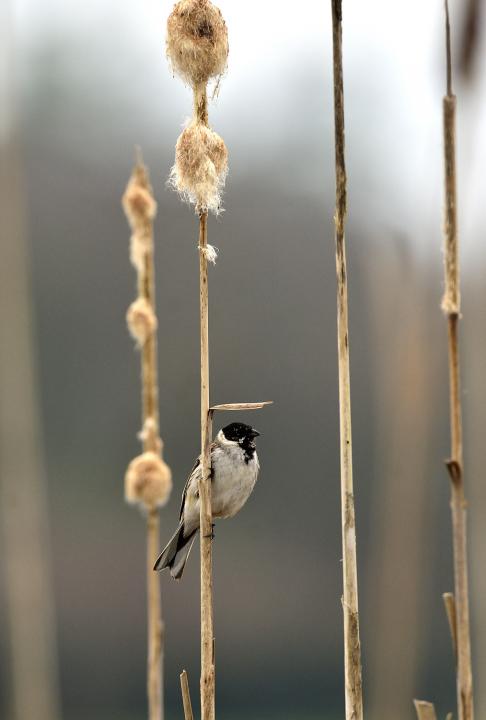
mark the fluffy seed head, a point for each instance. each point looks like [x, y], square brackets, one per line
[140, 208]
[197, 41]
[148, 481]
[138, 200]
[141, 320]
[201, 166]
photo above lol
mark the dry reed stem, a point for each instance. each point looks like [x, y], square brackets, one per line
[207, 633]
[155, 625]
[140, 208]
[352, 650]
[425, 710]
[186, 696]
[450, 608]
[451, 306]
[151, 442]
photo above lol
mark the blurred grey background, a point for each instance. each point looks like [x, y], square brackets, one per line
[81, 85]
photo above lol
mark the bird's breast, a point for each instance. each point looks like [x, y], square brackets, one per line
[233, 482]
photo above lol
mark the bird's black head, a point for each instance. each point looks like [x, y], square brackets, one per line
[244, 435]
[240, 433]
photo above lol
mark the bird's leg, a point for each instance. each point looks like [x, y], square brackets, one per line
[211, 476]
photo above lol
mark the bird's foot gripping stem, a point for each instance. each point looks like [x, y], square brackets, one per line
[212, 535]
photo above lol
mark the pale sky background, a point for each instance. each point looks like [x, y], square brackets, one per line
[394, 80]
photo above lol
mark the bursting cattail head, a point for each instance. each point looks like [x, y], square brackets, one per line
[201, 166]
[197, 41]
[148, 481]
[141, 320]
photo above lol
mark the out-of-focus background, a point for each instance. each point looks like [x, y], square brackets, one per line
[81, 85]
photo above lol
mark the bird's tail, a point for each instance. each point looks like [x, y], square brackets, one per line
[176, 552]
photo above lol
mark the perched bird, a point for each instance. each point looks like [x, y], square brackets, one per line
[234, 470]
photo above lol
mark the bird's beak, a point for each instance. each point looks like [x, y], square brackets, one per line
[254, 433]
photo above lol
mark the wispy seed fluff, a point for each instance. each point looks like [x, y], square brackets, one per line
[201, 166]
[197, 41]
[148, 481]
[141, 320]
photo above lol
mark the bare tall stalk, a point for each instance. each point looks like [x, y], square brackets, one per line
[207, 632]
[451, 306]
[352, 650]
[148, 479]
[457, 604]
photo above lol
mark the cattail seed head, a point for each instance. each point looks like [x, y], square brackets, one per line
[141, 320]
[138, 200]
[140, 208]
[201, 166]
[148, 481]
[197, 41]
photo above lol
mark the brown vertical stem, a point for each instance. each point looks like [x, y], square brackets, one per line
[201, 104]
[152, 443]
[155, 627]
[207, 634]
[451, 306]
[352, 651]
[150, 392]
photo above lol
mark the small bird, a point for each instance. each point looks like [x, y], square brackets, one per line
[234, 470]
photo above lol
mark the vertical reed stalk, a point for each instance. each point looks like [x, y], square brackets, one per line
[148, 480]
[207, 633]
[451, 307]
[352, 651]
[155, 625]
[151, 443]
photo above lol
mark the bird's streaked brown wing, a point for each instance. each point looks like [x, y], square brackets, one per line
[194, 468]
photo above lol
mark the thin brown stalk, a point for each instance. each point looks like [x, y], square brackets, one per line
[352, 650]
[186, 696]
[155, 626]
[150, 388]
[207, 633]
[451, 307]
[151, 442]
[424, 710]
[140, 208]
